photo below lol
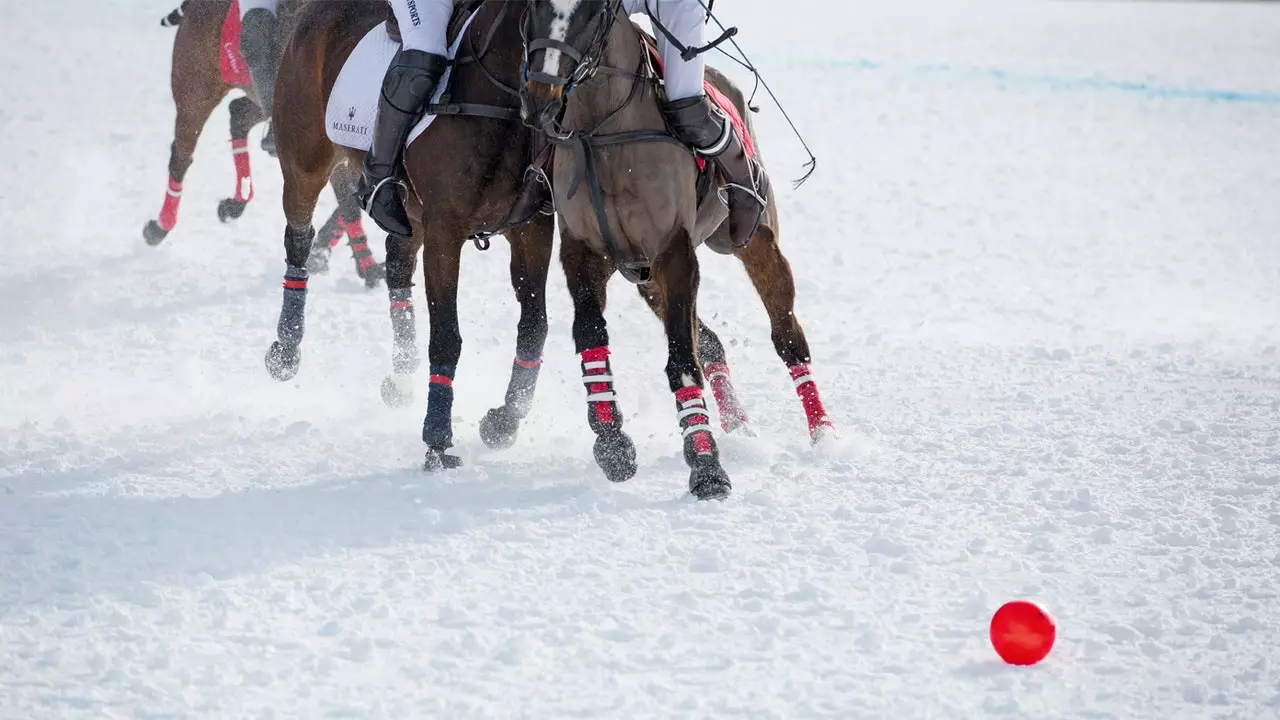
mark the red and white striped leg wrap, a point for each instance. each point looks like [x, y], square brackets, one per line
[602, 402]
[732, 415]
[169, 211]
[807, 389]
[356, 238]
[244, 178]
[695, 421]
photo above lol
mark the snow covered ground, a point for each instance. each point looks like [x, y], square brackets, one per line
[1039, 270]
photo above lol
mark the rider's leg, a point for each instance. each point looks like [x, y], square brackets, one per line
[407, 88]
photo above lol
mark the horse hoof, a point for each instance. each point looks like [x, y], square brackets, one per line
[737, 425]
[498, 428]
[616, 455]
[374, 275]
[709, 482]
[823, 434]
[397, 391]
[153, 233]
[283, 360]
[318, 262]
[438, 460]
[231, 209]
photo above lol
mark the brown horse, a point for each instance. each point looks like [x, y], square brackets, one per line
[199, 85]
[628, 198]
[466, 172]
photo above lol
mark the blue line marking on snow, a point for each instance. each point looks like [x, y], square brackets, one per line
[1067, 82]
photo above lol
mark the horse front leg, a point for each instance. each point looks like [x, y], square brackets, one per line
[402, 261]
[441, 258]
[530, 260]
[676, 275]
[587, 275]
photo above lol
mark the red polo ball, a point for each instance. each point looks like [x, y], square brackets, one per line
[1022, 633]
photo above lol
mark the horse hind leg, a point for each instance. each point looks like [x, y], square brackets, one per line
[770, 273]
[402, 262]
[196, 92]
[345, 221]
[530, 261]
[244, 115]
[715, 366]
[587, 275]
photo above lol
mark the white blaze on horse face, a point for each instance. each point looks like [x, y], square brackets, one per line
[559, 31]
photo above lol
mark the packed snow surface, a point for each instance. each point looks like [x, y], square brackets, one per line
[1039, 269]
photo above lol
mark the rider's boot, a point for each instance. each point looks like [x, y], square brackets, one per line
[407, 88]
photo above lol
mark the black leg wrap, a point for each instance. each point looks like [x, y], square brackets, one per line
[294, 307]
[297, 245]
[243, 112]
[524, 380]
[437, 426]
[177, 168]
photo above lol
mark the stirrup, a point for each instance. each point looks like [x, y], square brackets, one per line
[753, 193]
[548, 206]
[367, 203]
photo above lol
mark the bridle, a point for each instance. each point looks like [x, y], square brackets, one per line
[585, 64]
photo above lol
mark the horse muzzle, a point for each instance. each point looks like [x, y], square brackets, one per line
[541, 105]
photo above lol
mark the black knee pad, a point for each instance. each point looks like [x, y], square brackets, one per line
[243, 112]
[411, 79]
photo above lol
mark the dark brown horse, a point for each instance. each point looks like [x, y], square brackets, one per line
[199, 84]
[628, 198]
[466, 172]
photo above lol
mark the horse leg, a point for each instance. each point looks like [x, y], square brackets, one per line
[676, 277]
[587, 275]
[346, 221]
[402, 262]
[244, 115]
[301, 190]
[770, 273]
[530, 260]
[441, 258]
[196, 92]
[715, 366]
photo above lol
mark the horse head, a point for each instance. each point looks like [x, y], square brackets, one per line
[563, 46]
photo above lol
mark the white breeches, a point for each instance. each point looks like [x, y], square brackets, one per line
[685, 19]
[424, 24]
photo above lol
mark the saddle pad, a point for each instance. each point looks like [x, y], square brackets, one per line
[353, 104]
[235, 71]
